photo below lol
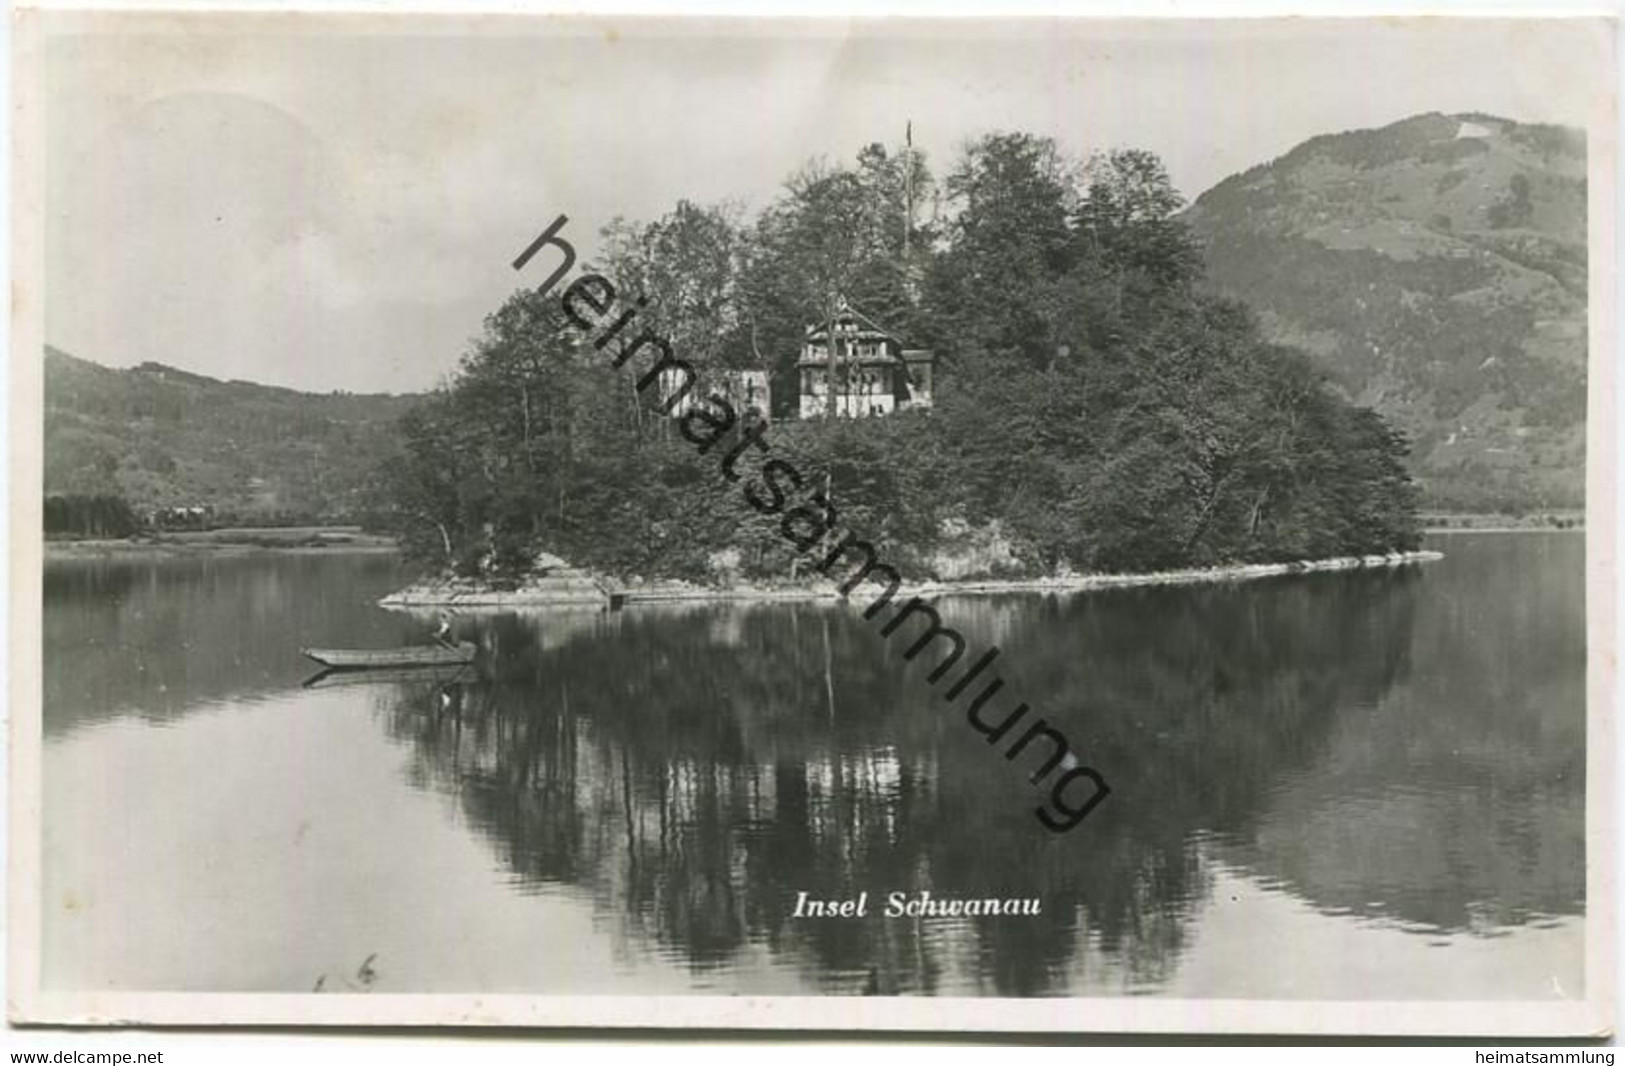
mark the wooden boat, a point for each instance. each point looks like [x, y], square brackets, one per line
[433, 674]
[386, 658]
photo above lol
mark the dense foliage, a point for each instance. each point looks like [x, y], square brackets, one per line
[1095, 410]
[89, 516]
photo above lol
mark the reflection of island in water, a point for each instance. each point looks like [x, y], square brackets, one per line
[693, 772]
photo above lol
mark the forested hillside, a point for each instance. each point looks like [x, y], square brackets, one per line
[1437, 268]
[1097, 409]
[161, 437]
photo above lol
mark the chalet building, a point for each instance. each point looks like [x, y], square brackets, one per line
[874, 373]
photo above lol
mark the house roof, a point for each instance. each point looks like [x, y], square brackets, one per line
[868, 330]
[845, 312]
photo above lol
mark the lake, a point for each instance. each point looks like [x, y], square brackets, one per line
[1332, 786]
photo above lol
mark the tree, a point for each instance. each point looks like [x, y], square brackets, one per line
[1008, 243]
[686, 265]
[101, 515]
[835, 232]
[1126, 225]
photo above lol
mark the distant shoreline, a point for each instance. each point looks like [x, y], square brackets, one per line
[1449, 531]
[291, 540]
[466, 594]
[1545, 522]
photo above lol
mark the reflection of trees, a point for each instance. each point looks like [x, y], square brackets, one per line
[1195, 703]
[693, 772]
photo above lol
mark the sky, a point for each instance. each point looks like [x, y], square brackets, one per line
[333, 202]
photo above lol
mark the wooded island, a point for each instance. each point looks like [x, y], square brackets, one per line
[1093, 408]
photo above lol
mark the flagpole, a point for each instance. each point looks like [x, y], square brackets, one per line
[908, 191]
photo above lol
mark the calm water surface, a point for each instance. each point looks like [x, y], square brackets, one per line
[1333, 786]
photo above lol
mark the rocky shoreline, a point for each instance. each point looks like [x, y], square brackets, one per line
[571, 588]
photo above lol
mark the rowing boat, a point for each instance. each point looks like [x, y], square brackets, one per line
[381, 658]
[435, 674]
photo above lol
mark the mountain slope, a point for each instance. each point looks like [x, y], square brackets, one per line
[1437, 268]
[162, 437]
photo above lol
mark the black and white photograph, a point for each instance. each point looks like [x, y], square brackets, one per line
[804, 523]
